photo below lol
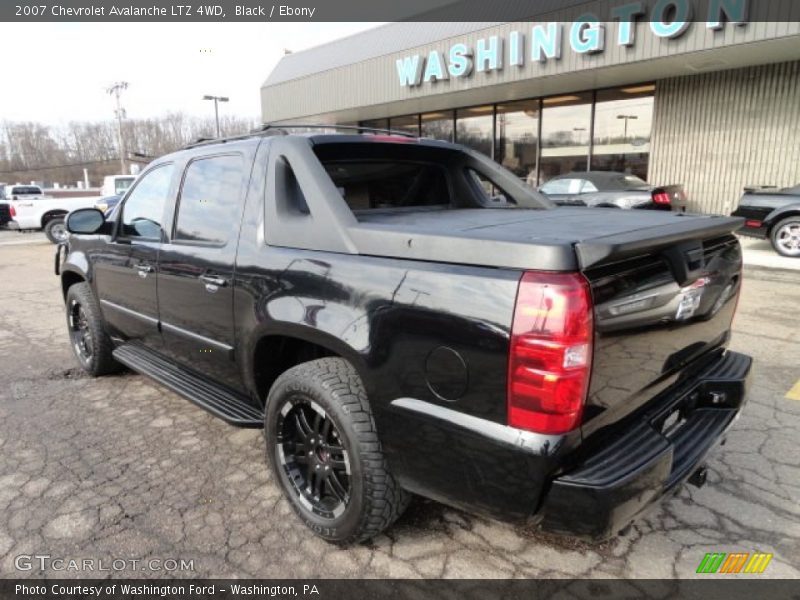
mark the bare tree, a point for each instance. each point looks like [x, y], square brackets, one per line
[36, 152]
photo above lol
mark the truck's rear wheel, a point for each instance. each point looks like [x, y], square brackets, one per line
[56, 230]
[325, 452]
[786, 237]
[87, 335]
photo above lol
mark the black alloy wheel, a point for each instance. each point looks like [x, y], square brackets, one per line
[87, 333]
[80, 334]
[325, 452]
[312, 454]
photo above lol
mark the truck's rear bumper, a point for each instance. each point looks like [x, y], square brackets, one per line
[606, 490]
[10, 225]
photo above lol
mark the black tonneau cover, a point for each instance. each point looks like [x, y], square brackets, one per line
[557, 239]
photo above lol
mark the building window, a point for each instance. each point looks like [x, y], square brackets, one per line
[622, 125]
[409, 124]
[376, 124]
[517, 146]
[438, 125]
[566, 126]
[475, 128]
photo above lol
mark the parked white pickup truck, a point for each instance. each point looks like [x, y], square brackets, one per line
[37, 211]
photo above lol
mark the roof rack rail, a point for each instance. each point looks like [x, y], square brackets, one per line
[280, 129]
[358, 128]
[232, 138]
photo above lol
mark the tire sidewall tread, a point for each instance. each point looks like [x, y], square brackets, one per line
[376, 499]
[102, 362]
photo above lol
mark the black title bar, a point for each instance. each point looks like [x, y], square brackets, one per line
[392, 10]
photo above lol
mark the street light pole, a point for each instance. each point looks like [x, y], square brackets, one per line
[627, 118]
[217, 100]
[115, 90]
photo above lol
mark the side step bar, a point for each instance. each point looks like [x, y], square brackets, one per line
[216, 399]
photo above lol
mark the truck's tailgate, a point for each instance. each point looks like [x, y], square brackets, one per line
[658, 314]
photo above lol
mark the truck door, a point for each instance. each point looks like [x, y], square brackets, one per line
[195, 273]
[125, 269]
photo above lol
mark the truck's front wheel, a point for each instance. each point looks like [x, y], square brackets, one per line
[325, 452]
[87, 335]
[56, 230]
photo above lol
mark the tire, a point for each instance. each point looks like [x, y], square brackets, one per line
[785, 237]
[56, 230]
[88, 338]
[299, 451]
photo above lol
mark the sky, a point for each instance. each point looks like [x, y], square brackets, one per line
[60, 71]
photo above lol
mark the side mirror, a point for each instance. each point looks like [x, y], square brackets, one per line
[85, 221]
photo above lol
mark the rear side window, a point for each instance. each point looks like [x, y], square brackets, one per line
[25, 191]
[568, 186]
[144, 207]
[209, 201]
[376, 184]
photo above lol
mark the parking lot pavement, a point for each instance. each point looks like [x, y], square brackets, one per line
[119, 468]
[759, 253]
[16, 238]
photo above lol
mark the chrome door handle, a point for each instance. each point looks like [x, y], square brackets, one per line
[213, 283]
[144, 270]
[214, 280]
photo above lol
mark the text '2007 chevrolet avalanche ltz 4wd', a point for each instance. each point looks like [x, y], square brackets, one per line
[404, 316]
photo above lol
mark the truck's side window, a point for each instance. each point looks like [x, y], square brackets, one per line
[144, 207]
[209, 200]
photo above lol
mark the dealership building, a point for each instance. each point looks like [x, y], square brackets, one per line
[713, 104]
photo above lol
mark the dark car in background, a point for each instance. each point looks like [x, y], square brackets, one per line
[773, 214]
[611, 189]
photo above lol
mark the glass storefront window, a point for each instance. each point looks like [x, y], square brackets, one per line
[622, 125]
[409, 124]
[517, 146]
[566, 122]
[438, 125]
[475, 128]
[510, 132]
[376, 123]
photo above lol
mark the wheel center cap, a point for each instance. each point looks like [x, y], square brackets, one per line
[322, 454]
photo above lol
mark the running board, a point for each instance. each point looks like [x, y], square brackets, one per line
[213, 397]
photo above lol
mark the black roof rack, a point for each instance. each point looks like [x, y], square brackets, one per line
[281, 129]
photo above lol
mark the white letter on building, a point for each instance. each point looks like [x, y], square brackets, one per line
[736, 11]
[546, 42]
[434, 70]
[489, 58]
[676, 28]
[460, 60]
[409, 69]
[626, 15]
[516, 49]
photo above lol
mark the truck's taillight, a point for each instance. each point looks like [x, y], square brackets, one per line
[12, 211]
[661, 198]
[551, 352]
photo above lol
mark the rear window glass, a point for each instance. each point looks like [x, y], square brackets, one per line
[566, 186]
[25, 191]
[382, 184]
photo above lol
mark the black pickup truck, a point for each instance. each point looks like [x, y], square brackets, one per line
[403, 316]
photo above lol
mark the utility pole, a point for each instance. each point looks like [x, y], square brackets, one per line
[115, 90]
[217, 100]
[626, 118]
